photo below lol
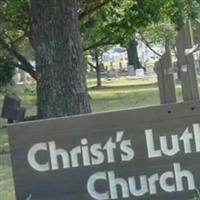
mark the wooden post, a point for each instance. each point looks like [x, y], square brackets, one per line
[188, 77]
[165, 79]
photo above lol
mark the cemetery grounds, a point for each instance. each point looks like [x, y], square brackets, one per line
[115, 94]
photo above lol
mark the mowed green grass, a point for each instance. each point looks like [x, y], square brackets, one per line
[6, 181]
[116, 94]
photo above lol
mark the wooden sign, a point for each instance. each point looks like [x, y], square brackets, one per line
[149, 153]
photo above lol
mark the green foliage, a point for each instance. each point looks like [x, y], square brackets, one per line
[179, 11]
[162, 33]
[114, 22]
[15, 14]
[7, 71]
[14, 20]
[117, 21]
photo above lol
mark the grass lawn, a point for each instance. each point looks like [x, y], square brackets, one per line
[120, 93]
[6, 181]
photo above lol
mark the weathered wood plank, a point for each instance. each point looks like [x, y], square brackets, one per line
[193, 77]
[188, 77]
[189, 80]
[188, 37]
[180, 46]
[109, 149]
[166, 83]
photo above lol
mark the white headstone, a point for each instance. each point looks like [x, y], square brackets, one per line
[139, 72]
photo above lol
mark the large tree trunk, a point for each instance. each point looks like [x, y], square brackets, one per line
[133, 54]
[61, 83]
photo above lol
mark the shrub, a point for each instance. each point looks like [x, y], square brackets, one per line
[7, 71]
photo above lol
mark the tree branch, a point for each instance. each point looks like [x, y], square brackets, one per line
[25, 65]
[93, 9]
[91, 65]
[20, 66]
[149, 46]
[18, 40]
[100, 43]
[194, 50]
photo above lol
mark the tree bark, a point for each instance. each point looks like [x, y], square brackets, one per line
[133, 55]
[98, 72]
[61, 82]
[98, 69]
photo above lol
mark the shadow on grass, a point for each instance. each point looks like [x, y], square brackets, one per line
[123, 100]
[121, 87]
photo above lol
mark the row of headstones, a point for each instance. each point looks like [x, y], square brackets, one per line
[113, 73]
[188, 78]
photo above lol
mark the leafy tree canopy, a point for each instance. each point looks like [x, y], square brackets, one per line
[103, 22]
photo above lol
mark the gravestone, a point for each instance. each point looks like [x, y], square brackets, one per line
[139, 73]
[12, 109]
[131, 71]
